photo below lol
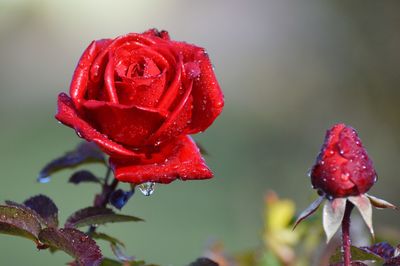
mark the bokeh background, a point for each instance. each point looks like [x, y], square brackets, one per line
[289, 70]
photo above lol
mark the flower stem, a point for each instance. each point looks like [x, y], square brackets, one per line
[101, 200]
[346, 241]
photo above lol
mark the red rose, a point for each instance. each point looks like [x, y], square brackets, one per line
[343, 167]
[137, 97]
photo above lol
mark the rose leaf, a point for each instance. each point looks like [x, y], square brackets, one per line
[19, 222]
[83, 176]
[382, 249]
[86, 152]
[105, 237]
[75, 243]
[45, 207]
[120, 254]
[357, 254]
[203, 262]
[97, 215]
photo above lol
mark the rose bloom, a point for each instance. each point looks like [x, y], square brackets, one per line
[343, 167]
[137, 97]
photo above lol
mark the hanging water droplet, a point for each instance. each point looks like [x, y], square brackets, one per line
[43, 178]
[147, 188]
[309, 173]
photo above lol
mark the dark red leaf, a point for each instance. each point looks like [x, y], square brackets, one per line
[45, 207]
[75, 243]
[382, 249]
[393, 261]
[83, 176]
[120, 254]
[203, 262]
[85, 152]
[28, 210]
[105, 237]
[97, 215]
[19, 222]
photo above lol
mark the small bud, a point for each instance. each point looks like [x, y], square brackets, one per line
[343, 167]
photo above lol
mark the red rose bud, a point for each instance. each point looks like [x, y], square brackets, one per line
[343, 167]
[137, 97]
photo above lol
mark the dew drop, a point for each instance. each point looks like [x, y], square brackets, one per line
[324, 179]
[322, 162]
[147, 188]
[79, 134]
[309, 173]
[345, 176]
[157, 143]
[2, 217]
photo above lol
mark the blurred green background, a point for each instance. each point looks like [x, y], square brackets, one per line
[289, 70]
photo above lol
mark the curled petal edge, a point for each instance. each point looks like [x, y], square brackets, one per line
[68, 115]
[178, 159]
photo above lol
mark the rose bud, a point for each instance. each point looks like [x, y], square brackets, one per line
[137, 97]
[343, 167]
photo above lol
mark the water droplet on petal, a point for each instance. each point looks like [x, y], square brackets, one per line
[79, 134]
[147, 188]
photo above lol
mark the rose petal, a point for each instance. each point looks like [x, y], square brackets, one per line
[139, 39]
[68, 115]
[177, 159]
[79, 84]
[128, 125]
[208, 99]
[177, 120]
